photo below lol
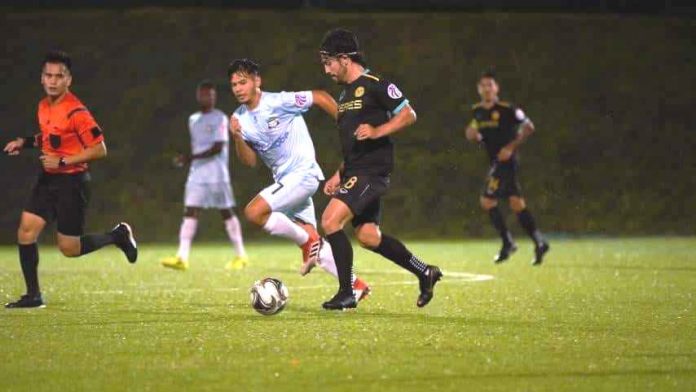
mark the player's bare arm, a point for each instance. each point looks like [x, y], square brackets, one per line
[245, 153]
[473, 135]
[98, 151]
[326, 102]
[525, 130]
[331, 185]
[15, 146]
[403, 119]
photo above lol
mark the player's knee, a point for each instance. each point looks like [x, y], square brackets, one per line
[517, 204]
[27, 234]
[254, 215]
[69, 248]
[368, 238]
[329, 224]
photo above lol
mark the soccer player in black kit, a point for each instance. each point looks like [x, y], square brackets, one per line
[502, 128]
[369, 110]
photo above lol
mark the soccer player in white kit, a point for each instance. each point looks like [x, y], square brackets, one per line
[270, 125]
[208, 184]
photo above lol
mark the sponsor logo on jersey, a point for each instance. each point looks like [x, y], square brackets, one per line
[495, 116]
[520, 114]
[359, 92]
[394, 92]
[356, 104]
[273, 122]
[300, 100]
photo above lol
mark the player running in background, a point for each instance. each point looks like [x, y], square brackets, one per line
[369, 110]
[208, 184]
[502, 128]
[271, 126]
[69, 138]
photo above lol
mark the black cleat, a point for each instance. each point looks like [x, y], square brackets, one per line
[124, 240]
[539, 252]
[341, 301]
[27, 301]
[505, 252]
[427, 285]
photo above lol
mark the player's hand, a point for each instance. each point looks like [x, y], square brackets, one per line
[235, 127]
[180, 160]
[366, 131]
[331, 185]
[505, 154]
[50, 161]
[14, 147]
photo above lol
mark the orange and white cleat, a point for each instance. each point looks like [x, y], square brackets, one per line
[361, 290]
[310, 251]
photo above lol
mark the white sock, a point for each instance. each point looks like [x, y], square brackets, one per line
[327, 261]
[186, 234]
[234, 231]
[280, 225]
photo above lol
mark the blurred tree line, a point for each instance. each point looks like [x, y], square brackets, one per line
[611, 97]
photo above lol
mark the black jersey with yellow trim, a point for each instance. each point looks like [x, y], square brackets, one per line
[498, 125]
[371, 100]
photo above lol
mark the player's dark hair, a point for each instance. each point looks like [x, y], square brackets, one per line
[338, 42]
[245, 66]
[57, 57]
[488, 74]
[206, 84]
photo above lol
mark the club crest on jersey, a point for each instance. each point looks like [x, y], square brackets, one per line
[394, 92]
[273, 122]
[300, 100]
[359, 92]
[495, 116]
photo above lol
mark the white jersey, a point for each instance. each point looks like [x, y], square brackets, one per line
[206, 129]
[277, 132]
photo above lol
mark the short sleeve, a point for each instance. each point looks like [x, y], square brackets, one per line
[296, 102]
[474, 123]
[389, 96]
[87, 128]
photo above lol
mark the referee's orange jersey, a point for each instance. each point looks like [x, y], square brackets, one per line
[67, 128]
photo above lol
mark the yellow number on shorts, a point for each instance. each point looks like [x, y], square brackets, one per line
[350, 183]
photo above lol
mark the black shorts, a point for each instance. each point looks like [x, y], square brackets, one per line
[363, 195]
[62, 198]
[502, 181]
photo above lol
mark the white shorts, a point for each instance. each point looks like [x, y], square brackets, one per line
[292, 196]
[214, 195]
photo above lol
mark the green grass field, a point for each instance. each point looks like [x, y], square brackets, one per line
[601, 314]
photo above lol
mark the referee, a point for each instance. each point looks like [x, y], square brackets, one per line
[69, 138]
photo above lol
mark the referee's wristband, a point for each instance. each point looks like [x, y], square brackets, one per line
[28, 141]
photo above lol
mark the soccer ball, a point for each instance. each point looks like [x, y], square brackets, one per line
[268, 296]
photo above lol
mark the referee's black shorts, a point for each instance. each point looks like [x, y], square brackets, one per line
[62, 198]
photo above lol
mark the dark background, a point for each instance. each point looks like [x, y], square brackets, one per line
[609, 85]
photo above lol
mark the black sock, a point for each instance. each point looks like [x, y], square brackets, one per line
[343, 254]
[527, 222]
[91, 242]
[394, 250]
[499, 225]
[29, 259]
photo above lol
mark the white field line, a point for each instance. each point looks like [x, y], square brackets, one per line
[454, 277]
